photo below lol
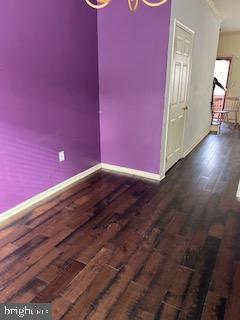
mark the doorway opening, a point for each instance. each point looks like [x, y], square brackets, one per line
[221, 72]
[219, 99]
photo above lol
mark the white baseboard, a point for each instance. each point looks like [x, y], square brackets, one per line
[23, 208]
[238, 191]
[139, 173]
[196, 142]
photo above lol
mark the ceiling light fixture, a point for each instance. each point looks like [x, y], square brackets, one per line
[133, 4]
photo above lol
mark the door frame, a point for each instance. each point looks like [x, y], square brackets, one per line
[168, 94]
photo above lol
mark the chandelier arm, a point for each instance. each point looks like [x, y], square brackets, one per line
[156, 4]
[131, 6]
[97, 6]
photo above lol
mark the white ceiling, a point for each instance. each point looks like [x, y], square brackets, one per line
[230, 12]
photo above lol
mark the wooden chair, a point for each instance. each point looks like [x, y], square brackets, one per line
[232, 105]
[218, 116]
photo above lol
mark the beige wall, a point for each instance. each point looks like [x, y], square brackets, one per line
[229, 47]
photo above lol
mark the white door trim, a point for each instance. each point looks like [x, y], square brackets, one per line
[168, 94]
[238, 190]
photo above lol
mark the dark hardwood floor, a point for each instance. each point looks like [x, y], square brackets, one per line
[116, 247]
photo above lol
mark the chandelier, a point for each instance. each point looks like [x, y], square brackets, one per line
[133, 4]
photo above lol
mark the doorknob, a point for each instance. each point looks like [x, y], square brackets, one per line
[185, 108]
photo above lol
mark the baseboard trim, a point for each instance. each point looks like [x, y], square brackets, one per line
[139, 173]
[238, 191]
[196, 142]
[23, 208]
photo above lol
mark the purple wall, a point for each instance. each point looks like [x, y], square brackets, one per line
[133, 51]
[48, 95]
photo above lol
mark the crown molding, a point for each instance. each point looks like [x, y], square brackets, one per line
[214, 9]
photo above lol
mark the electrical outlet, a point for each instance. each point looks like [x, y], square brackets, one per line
[61, 156]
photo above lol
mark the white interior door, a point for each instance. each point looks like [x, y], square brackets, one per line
[180, 75]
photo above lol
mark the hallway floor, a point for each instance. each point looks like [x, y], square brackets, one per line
[117, 247]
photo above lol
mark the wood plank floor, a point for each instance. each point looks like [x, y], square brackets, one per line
[116, 247]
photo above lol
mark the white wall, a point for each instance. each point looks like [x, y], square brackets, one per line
[198, 16]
